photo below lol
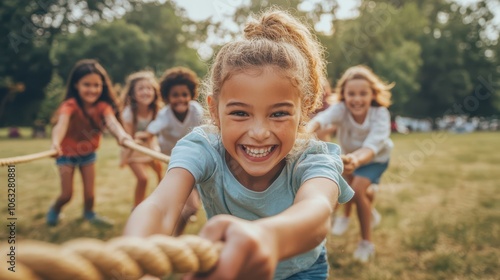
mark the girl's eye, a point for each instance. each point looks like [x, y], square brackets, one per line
[239, 113]
[280, 114]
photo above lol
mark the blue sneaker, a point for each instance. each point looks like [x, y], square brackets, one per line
[97, 220]
[52, 217]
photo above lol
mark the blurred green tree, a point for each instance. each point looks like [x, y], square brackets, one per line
[120, 47]
[457, 52]
[384, 38]
[54, 95]
[27, 32]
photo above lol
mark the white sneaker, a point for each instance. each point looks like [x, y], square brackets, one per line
[340, 225]
[376, 218]
[365, 251]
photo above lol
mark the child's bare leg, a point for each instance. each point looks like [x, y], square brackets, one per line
[88, 179]
[156, 165]
[190, 208]
[66, 174]
[348, 209]
[370, 193]
[142, 181]
[348, 206]
[363, 205]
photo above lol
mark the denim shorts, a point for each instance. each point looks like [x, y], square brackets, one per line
[317, 271]
[76, 160]
[373, 171]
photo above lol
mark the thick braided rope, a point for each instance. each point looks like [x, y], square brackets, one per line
[121, 258]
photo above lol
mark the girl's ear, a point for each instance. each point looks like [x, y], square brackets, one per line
[212, 108]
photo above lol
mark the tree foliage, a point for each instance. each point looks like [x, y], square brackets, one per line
[47, 36]
[443, 57]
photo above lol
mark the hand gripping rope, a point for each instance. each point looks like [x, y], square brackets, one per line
[127, 143]
[121, 258]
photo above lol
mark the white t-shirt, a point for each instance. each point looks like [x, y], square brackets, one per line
[142, 123]
[128, 156]
[169, 129]
[373, 133]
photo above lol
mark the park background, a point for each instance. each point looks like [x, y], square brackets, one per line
[439, 200]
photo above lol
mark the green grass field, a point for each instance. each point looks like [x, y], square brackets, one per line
[440, 206]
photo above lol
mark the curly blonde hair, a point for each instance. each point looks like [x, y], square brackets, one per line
[278, 40]
[381, 90]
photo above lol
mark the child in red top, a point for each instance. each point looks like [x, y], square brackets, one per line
[89, 106]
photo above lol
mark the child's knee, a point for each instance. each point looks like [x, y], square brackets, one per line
[359, 190]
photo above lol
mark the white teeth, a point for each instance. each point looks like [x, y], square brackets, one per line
[257, 152]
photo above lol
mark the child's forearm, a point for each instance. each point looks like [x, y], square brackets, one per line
[363, 155]
[56, 134]
[312, 126]
[148, 219]
[60, 129]
[160, 212]
[116, 128]
[305, 224]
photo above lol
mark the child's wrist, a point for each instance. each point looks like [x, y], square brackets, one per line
[312, 126]
[354, 159]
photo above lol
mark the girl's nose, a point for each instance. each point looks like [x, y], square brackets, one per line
[259, 131]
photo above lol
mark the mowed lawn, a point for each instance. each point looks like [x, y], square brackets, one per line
[440, 206]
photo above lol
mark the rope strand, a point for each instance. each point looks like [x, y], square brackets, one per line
[120, 258]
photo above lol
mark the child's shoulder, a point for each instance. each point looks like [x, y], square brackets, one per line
[68, 106]
[163, 111]
[196, 105]
[314, 148]
[338, 106]
[319, 159]
[69, 102]
[321, 147]
[379, 111]
[206, 132]
[202, 139]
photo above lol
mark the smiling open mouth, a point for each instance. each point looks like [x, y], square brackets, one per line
[258, 152]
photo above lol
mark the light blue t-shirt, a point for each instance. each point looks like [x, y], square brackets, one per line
[201, 153]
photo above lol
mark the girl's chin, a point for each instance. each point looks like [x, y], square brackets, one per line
[358, 111]
[182, 107]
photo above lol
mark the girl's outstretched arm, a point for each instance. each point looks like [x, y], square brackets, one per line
[357, 158]
[160, 212]
[116, 128]
[253, 248]
[59, 131]
[312, 126]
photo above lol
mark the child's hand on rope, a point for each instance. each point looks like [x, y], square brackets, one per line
[57, 148]
[141, 136]
[123, 138]
[351, 162]
[249, 252]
